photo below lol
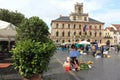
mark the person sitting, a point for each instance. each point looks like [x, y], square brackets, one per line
[73, 55]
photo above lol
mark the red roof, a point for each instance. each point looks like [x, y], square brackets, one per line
[110, 28]
[117, 26]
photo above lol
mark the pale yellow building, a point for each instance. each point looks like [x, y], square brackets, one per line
[76, 26]
[114, 32]
[108, 35]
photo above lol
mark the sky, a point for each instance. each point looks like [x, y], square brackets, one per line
[107, 11]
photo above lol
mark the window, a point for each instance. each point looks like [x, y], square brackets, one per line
[69, 34]
[91, 33]
[74, 26]
[79, 26]
[95, 34]
[90, 26]
[100, 27]
[68, 40]
[85, 18]
[95, 27]
[85, 33]
[63, 41]
[69, 26]
[62, 25]
[63, 34]
[74, 33]
[74, 18]
[57, 25]
[100, 41]
[100, 34]
[79, 33]
[57, 34]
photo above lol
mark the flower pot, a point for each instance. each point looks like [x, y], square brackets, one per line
[35, 77]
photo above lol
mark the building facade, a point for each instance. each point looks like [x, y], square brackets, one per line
[109, 35]
[76, 26]
[115, 30]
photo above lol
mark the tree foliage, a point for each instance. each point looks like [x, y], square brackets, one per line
[33, 48]
[32, 57]
[12, 17]
[33, 28]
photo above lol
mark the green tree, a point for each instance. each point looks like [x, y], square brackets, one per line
[33, 28]
[12, 17]
[33, 48]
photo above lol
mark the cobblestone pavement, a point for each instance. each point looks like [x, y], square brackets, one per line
[103, 69]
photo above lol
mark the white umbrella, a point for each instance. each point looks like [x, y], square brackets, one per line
[65, 43]
[7, 32]
[84, 42]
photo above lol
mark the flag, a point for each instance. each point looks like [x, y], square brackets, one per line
[84, 28]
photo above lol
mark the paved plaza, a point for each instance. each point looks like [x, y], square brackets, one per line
[103, 69]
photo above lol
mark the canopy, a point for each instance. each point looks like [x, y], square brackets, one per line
[66, 43]
[7, 31]
[84, 42]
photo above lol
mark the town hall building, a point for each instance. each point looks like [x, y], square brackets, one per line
[76, 26]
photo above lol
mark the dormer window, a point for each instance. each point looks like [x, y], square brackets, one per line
[74, 18]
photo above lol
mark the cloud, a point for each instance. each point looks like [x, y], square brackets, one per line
[103, 10]
[109, 17]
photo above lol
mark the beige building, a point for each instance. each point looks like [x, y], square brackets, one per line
[76, 26]
[114, 32]
[109, 35]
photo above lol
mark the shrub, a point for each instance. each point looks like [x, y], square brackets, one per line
[31, 57]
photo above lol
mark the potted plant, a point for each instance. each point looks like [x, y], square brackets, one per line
[33, 49]
[32, 58]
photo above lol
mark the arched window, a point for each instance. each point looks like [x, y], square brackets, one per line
[57, 33]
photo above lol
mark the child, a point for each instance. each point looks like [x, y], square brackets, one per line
[67, 64]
